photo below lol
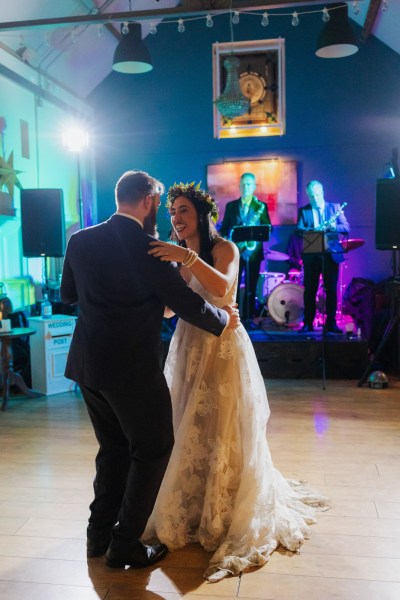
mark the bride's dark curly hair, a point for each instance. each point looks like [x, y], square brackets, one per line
[207, 213]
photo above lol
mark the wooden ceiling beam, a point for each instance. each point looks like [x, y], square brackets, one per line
[370, 19]
[158, 13]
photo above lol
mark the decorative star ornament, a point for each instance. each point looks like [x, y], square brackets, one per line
[8, 175]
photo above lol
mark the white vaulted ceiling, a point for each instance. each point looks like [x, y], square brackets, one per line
[79, 54]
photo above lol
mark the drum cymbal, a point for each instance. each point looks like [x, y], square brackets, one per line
[275, 255]
[352, 244]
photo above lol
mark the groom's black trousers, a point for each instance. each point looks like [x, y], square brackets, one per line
[135, 435]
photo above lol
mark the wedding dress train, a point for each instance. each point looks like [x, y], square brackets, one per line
[221, 488]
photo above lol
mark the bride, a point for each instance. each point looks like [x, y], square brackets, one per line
[221, 488]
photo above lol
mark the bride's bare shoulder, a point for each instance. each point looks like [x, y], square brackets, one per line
[223, 247]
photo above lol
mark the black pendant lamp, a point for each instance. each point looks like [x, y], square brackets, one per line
[131, 56]
[337, 38]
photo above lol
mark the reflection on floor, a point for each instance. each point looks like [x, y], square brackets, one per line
[344, 441]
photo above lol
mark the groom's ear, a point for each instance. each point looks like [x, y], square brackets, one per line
[147, 201]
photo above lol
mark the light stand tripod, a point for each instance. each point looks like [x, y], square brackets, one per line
[249, 233]
[45, 278]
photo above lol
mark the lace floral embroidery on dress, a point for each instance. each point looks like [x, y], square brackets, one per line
[205, 399]
[226, 350]
[194, 451]
[193, 361]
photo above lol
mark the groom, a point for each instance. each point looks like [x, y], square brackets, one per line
[115, 357]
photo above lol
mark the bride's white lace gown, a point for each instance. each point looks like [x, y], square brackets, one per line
[221, 488]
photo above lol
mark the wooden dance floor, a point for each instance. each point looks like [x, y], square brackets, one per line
[344, 440]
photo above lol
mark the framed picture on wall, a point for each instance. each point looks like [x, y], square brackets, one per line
[261, 75]
[276, 181]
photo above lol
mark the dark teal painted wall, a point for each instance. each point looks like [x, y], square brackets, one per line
[343, 119]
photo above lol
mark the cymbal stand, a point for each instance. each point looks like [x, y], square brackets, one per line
[339, 309]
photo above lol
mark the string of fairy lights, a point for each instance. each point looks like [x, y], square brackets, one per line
[235, 15]
[265, 17]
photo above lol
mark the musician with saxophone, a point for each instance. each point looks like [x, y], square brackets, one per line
[327, 217]
[246, 211]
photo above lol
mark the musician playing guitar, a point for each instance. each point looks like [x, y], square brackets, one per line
[327, 217]
[247, 210]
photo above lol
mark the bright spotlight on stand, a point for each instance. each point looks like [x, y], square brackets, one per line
[75, 139]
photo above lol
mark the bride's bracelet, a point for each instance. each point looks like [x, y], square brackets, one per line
[190, 259]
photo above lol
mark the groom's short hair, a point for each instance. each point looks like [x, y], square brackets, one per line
[133, 186]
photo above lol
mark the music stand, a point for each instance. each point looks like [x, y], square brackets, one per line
[249, 233]
[316, 242]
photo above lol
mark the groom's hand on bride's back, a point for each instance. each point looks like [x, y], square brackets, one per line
[233, 312]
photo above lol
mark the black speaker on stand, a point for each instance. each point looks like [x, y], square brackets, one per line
[43, 225]
[42, 221]
[387, 223]
[387, 237]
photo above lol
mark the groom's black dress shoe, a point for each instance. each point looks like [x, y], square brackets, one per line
[96, 545]
[332, 328]
[140, 555]
[306, 329]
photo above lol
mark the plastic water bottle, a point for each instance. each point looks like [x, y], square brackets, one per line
[46, 309]
[359, 335]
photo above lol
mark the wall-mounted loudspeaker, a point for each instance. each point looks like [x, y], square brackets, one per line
[42, 221]
[387, 223]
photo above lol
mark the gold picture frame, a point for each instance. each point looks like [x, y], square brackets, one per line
[261, 79]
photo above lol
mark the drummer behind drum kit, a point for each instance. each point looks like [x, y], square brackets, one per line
[283, 296]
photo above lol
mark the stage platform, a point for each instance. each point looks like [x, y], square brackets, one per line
[284, 352]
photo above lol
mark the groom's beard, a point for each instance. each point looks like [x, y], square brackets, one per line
[150, 223]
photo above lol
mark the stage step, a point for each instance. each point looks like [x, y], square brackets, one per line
[290, 355]
[294, 359]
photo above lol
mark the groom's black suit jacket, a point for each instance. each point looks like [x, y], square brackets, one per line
[121, 291]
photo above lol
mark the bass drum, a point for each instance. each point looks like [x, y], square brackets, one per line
[286, 303]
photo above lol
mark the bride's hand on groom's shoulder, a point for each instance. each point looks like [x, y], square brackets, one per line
[168, 252]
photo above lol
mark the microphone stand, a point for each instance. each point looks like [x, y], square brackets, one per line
[316, 242]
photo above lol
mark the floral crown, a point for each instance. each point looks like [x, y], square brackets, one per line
[193, 193]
